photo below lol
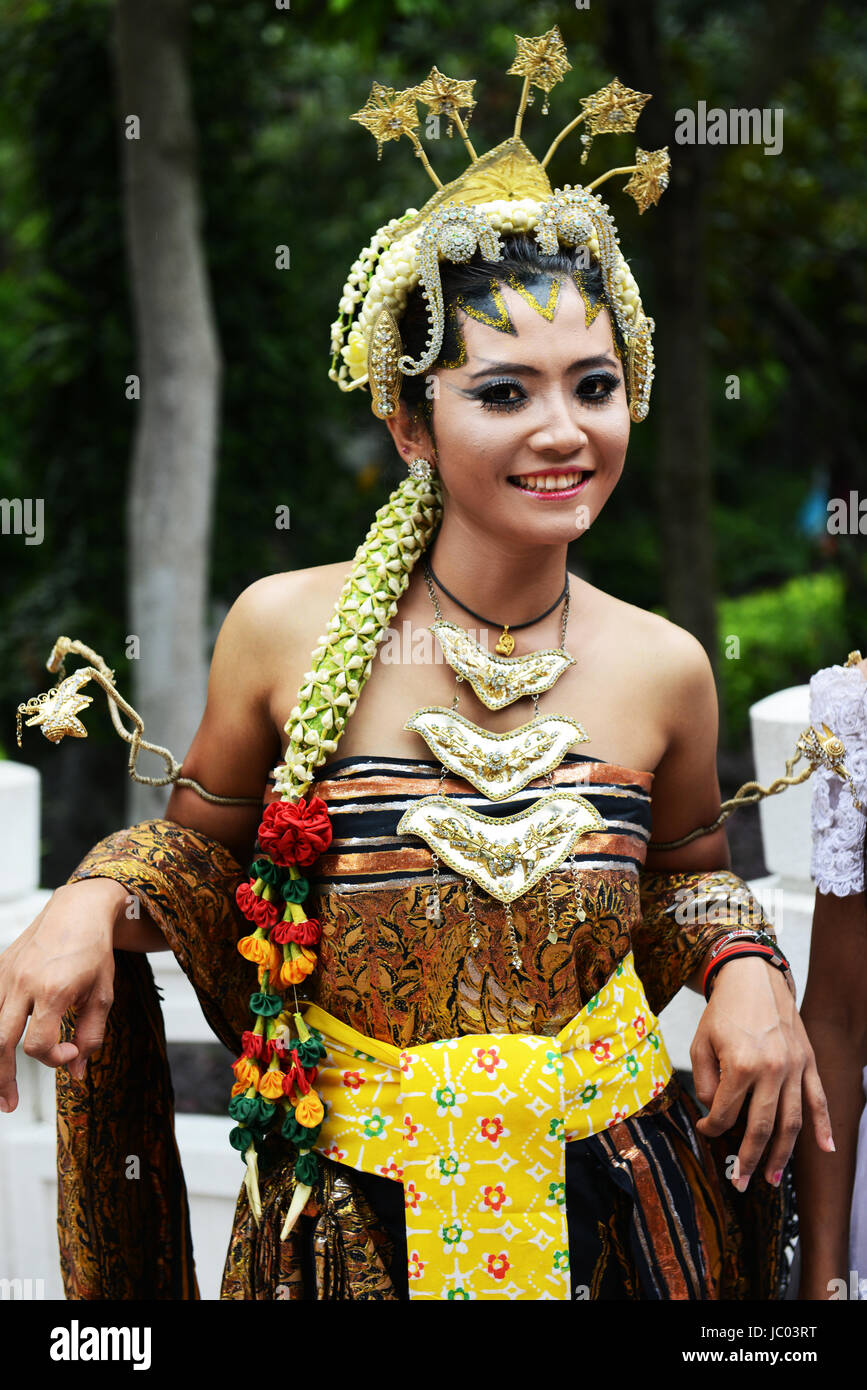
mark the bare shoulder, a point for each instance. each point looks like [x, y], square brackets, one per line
[279, 619]
[290, 594]
[666, 662]
[673, 677]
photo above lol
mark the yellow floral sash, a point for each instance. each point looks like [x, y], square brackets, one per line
[475, 1128]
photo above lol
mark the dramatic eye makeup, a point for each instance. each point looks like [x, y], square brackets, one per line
[495, 395]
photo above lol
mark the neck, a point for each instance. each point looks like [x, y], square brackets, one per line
[505, 583]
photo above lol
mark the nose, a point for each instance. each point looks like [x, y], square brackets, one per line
[559, 430]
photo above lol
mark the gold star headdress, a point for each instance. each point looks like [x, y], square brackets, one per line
[503, 191]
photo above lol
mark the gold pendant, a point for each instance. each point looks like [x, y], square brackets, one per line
[496, 681]
[505, 855]
[506, 644]
[496, 764]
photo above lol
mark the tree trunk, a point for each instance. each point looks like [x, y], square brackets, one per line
[170, 499]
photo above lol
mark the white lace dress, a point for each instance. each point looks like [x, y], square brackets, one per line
[838, 696]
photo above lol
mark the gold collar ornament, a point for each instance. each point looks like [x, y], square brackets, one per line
[503, 191]
[497, 680]
[498, 765]
[505, 855]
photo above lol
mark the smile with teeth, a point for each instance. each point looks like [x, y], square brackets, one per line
[548, 482]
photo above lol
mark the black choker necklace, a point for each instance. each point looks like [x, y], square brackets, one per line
[506, 644]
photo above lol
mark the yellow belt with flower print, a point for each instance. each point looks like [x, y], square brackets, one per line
[475, 1128]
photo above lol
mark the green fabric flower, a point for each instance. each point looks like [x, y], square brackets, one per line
[306, 1169]
[266, 1005]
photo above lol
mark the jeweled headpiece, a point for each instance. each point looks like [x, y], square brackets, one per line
[504, 191]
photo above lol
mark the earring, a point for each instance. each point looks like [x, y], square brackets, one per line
[420, 469]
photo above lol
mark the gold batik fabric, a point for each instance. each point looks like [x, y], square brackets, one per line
[125, 1239]
[121, 1238]
[682, 915]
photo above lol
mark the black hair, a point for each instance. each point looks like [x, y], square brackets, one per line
[523, 258]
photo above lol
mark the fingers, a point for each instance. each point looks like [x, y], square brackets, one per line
[13, 1018]
[41, 1042]
[786, 1131]
[727, 1101]
[705, 1068]
[90, 1027]
[761, 1119]
[817, 1105]
[720, 1083]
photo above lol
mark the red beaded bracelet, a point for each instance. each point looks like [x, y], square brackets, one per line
[734, 952]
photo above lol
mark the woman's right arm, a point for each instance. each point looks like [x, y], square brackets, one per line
[64, 958]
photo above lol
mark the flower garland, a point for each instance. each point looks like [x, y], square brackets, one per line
[276, 1072]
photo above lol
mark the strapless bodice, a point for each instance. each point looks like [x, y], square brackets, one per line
[391, 972]
[366, 796]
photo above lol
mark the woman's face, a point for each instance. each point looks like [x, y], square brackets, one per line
[548, 401]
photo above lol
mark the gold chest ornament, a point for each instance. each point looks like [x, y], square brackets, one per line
[506, 856]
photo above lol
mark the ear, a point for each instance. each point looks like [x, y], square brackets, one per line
[410, 434]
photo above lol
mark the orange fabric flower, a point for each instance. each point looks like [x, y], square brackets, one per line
[247, 1071]
[256, 948]
[271, 1084]
[298, 966]
[309, 1110]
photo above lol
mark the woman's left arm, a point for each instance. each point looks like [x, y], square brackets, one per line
[750, 1038]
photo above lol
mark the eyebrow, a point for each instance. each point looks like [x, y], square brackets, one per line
[602, 360]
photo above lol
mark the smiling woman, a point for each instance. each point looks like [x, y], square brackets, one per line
[451, 1083]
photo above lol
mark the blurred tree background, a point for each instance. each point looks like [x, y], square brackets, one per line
[782, 241]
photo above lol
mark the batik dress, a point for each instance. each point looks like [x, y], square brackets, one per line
[650, 1211]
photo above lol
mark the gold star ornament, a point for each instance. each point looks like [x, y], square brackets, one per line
[542, 62]
[651, 178]
[446, 96]
[609, 111]
[388, 114]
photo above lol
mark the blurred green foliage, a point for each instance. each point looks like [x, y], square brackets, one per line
[783, 636]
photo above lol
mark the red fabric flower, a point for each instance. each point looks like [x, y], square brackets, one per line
[265, 914]
[255, 909]
[305, 933]
[295, 832]
[245, 897]
[251, 1043]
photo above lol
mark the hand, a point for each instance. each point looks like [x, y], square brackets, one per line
[64, 958]
[751, 1038]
